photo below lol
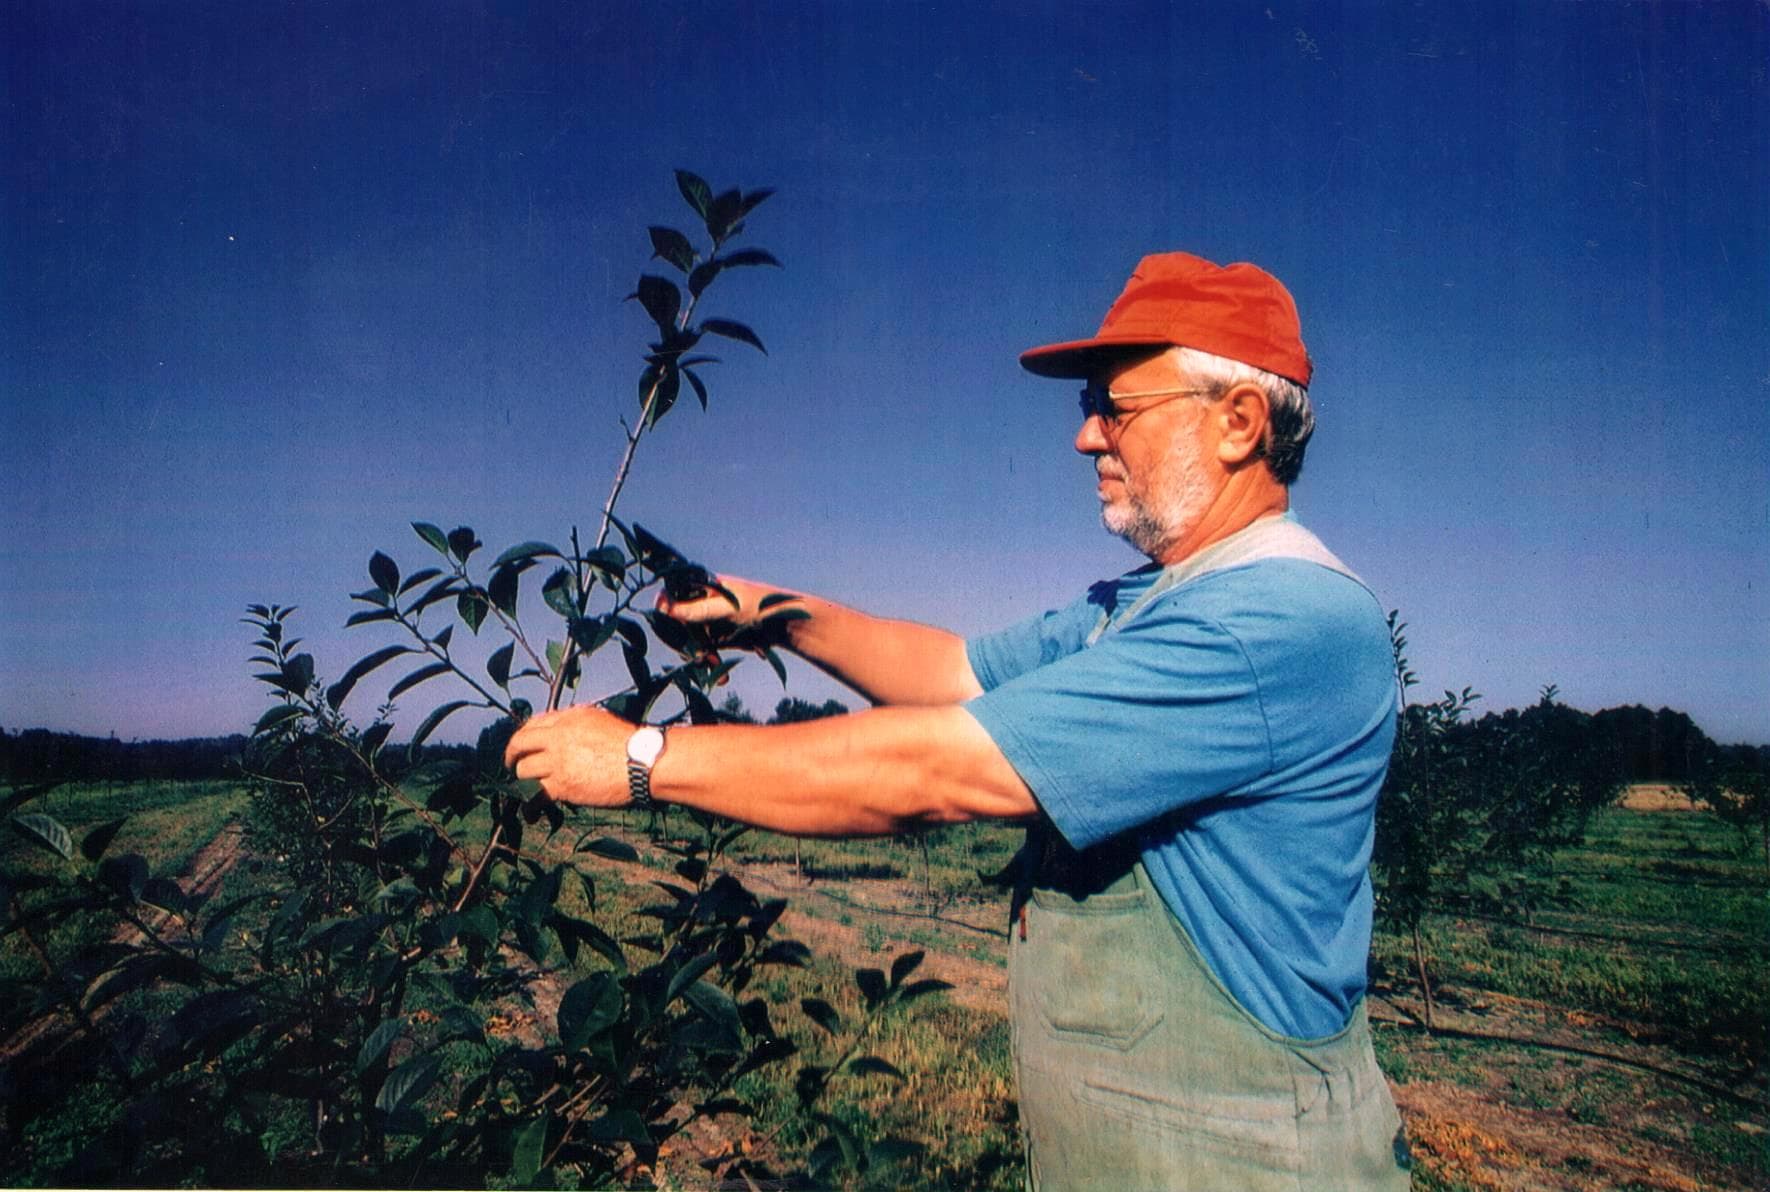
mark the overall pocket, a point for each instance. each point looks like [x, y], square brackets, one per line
[1087, 964]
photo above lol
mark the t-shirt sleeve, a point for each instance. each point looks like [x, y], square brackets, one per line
[1008, 653]
[1157, 716]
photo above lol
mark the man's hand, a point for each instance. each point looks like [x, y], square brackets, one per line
[746, 624]
[578, 755]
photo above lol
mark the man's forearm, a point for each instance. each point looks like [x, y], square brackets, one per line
[889, 662]
[870, 774]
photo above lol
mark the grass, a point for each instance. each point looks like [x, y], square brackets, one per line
[1659, 931]
[1659, 936]
[167, 822]
[1683, 959]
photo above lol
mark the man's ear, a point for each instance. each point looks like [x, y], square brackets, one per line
[1242, 416]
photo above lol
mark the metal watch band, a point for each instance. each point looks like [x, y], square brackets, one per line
[639, 785]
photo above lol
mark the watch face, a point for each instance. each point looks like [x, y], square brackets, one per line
[645, 745]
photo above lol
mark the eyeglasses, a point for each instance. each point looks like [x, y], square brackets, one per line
[1099, 401]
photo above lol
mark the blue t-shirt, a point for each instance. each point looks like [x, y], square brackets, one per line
[1240, 724]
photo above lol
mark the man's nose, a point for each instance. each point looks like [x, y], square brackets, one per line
[1091, 439]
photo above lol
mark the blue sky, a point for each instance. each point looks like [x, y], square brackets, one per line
[280, 278]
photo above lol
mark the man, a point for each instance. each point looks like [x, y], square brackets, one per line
[1198, 745]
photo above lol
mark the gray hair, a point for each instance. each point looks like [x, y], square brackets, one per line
[1290, 417]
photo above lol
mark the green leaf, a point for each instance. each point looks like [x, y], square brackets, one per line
[585, 932]
[696, 191]
[416, 677]
[560, 592]
[589, 1008]
[385, 572]
[755, 199]
[700, 389]
[700, 708]
[503, 587]
[653, 552]
[375, 736]
[716, 1006]
[903, 966]
[434, 719]
[368, 615]
[278, 714]
[463, 542]
[373, 596]
[789, 952]
[688, 974]
[336, 692]
[750, 256]
[471, 607]
[498, 665]
[661, 300]
[916, 989]
[608, 846]
[872, 1065]
[844, 1139]
[528, 1150]
[725, 210]
[672, 246]
[45, 832]
[774, 661]
[608, 560]
[407, 1083]
[591, 633]
[893, 1150]
[620, 1124]
[126, 875]
[668, 384]
[422, 575]
[822, 1013]
[872, 985]
[733, 330]
[95, 842]
[526, 550]
[438, 540]
[703, 276]
[376, 1045]
[480, 921]
[297, 674]
[442, 589]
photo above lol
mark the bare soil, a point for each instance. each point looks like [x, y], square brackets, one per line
[1602, 1105]
[1657, 796]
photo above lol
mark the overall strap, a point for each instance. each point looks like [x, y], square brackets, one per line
[1269, 538]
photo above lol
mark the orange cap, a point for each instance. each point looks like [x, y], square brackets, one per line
[1175, 299]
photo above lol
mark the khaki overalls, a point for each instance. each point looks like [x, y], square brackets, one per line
[1137, 1068]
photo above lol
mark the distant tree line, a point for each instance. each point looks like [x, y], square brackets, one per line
[1632, 743]
[37, 755]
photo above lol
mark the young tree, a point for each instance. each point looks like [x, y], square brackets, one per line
[1733, 781]
[362, 991]
[1472, 809]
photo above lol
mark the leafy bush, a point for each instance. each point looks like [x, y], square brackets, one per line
[349, 1019]
[1472, 812]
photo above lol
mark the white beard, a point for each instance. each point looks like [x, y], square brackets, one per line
[1154, 516]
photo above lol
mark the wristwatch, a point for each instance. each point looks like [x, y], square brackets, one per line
[644, 748]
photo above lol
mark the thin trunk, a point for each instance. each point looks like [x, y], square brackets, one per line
[1425, 981]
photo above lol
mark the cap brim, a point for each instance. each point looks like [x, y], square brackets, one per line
[1082, 358]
